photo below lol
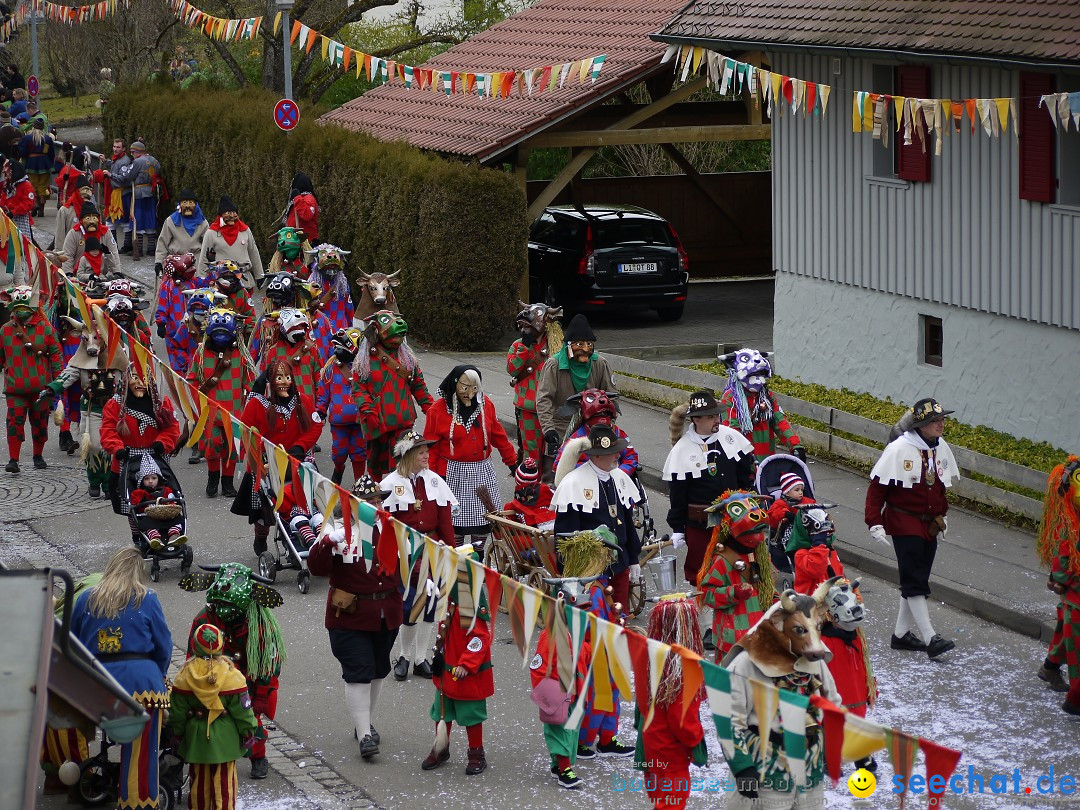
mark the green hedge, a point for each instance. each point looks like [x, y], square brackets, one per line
[457, 232]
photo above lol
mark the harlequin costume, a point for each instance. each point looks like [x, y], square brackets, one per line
[303, 209]
[735, 576]
[596, 407]
[189, 333]
[68, 326]
[336, 403]
[211, 719]
[239, 602]
[751, 408]
[539, 331]
[228, 279]
[462, 670]
[290, 254]
[179, 275]
[386, 381]
[554, 698]
[30, 357]
[329, 274]
[293, 344]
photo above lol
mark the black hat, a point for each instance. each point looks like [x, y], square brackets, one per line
[926, 411]
[82, 182]
[88, 209]
[226, 204]
[92, 243]
[188, 194]
[579, 329]
[449, 384]
[365, 488]
[605, 442]
[301, 184]
[410, 440]
[703, 403]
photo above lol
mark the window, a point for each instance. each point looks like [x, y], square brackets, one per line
[884, 164]
[1037, 177]
[931, 340]
[913, 161]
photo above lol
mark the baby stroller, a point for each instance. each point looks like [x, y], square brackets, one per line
[768, 483]
[287, 551]
[155, 516]
[100, 774]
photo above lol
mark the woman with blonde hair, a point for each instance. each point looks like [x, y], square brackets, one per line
[121, 623]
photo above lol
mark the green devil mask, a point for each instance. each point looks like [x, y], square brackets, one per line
[289, 243]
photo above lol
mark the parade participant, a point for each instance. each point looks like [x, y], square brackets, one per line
[39, 154]
[30, 358]
[68, 177]
[906, 499]
[735, 575]
[596, 407]
[116, 198]
[751, 408]
[329, 274]
[69, 332]
[152, 491]
[322, 329]
[179, 275]
[532, 497]
[420, 498]
[284, 416]
[228, 279]
[222, 370]
[91, 262]
[182, 232]
[1058, 546]
[121, 622]
[143, 176]
[89, 224]
[363, 614]
[123, 307]
[302, 212]
[540, 331]
[600, 494]
[674, 738]
[810, 544]
[239, 603]
[337, 404]
[575, 368]
[466, 431]
[283, 291]
[792, 494]
[292, 342]
[387, 380]
[210, 720]
[786, 651]
[67, 215]
[227, 237]
[18, 200]
[180, 344]
[290, 255]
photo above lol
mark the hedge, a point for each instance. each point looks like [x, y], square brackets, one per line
[457, 232]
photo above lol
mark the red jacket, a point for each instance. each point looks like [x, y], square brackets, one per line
[21, 200]
[111, 440]
[286, 430]
[469, 650]
[304, 214]
[780, 509]
[537, 513]
[355, 577]
[140, 495]
[432, 519]
[468, 441]
[671, 738]
[812, 567]
[923, 500]
[848, 667]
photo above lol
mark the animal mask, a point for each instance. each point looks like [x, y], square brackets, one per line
[230, 589]
[390, 328]
[19, 301]
[227, 276]
[742, 518]
[752, 368]
[345, 344]
[200, 302]
[293, 324]
[221, 328]
[597, 407]
[281, 289]
[843, 605]
[534, 318]
[180, 267]
[120, 286]
[379, 287]
[329, 258]
[289, 243]
[818, 526]
[121, 309]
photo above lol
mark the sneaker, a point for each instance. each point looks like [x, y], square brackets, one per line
[707, 641]
[423, 670]
[374, 735]
[568, 779]
[433, 760]
[39, 463]
[155, 545]
[585, 751]
[179, 540]
[260, 768]
[477, 762]
[1052, 677]
[368, 747]
[614, 749]
[12, 466]
[401, 669]
[938, 645]
[908, 641]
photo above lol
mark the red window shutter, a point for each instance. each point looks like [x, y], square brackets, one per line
[1037, 177]
[912, 163]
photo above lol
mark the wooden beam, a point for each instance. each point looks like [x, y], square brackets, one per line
[621, 137]
[521, 175]
[695, 177]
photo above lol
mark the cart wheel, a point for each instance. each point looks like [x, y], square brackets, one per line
[96, 784]
[499, 557]
[186, 560]
[155, 571]
[637, 597]
[536, 579]
[303, 581]
[267, 566]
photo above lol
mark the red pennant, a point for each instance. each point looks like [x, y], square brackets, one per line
[493, 581]
[787, 89]
[507, 83]
[940, 761]
[833, 730]
[386, 549]
[811, 96]
[639, 659]
[346, 513]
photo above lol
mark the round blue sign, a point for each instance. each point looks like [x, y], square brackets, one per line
[286, 114]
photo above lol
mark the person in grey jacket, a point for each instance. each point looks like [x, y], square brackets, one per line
[182, 232]
[139, 175]
[90, 225]
[228, 238]
[66, 216]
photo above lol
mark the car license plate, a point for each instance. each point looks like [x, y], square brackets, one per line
[638, 267]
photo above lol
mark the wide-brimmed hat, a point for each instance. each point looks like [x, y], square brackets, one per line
[702, 403]
[409, 440]
[926, 411]
[603, 441]
[366, 488]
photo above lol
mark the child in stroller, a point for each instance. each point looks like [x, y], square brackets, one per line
[296, 531]
[153, 492]
[786, 479]
[156, 511]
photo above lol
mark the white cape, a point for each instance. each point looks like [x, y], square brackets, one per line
[687, 458]
[401, 495]
[901, 462]
[581, 488]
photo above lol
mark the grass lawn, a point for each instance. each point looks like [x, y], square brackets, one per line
[65, 109]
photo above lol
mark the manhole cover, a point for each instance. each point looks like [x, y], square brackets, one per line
[59, 490]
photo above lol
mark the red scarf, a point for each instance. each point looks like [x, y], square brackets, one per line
[228, 232]
[95, 261]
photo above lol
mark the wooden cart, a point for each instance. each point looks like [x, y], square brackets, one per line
[521, 552]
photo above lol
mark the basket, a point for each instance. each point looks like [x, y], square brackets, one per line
[163, 511]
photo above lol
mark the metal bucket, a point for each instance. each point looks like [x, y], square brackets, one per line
[663, 571]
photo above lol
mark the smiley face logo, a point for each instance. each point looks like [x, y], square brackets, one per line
[862, 783]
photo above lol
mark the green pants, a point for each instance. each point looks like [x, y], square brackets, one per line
[561, 742]
[463, 712]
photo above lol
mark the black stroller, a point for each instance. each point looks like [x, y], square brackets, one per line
[288, 550]
[156, 516]
[768, 483]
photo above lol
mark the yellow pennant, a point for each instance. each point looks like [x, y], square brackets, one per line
[281, 464]
[861, 738]
[277, 23]
[200, 426]
[658, 654]
[603, 699]
[698, 53]
[898, 105]
[766, 703]
[1002, 105]
[618, 656]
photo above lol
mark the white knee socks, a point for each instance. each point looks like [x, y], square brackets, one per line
[904, 620]
[408, 641]
[358, 699]
[375, 685]
[921, 613]
[416, 641]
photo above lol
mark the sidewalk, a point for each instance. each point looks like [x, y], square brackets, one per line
[982, 567]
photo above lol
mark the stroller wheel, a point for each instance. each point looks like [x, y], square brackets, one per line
[97, 782]
[155, 571]
[267, 566]
[303, 581]
[185, 561]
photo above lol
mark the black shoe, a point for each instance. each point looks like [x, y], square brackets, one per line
[259, 546]
[196, 456]
[434, 760]
[374, 735]
[227, 488]
[260, 768]
[909, 641]
[12, 466]
[938, 645]
[401, 669]
[39, 463]
[1070, 708]
[477, 761]
[423, 670]
[212, 481]
[585, 751]
[95, 491]
[368, 747]
[567, 778]
[66, 441]
[1052, 677]
[869, 763]
[126, 251]
[707, 641]
[614, 749]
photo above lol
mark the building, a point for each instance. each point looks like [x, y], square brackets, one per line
[902, 273]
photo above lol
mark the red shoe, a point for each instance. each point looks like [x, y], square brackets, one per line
[435, 759]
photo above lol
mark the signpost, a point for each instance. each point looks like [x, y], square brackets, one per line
[32, 86]
[286, 114]
[285, 6]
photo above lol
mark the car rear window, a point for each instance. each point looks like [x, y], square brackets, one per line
[612, 233]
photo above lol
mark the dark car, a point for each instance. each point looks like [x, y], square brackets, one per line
[602, 257]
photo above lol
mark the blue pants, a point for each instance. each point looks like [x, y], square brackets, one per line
[146, 214]
[348, 443]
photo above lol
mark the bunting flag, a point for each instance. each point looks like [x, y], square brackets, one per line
[71, 15]
[718, 691]
[902, 748]
[224, 30]
[940, 761]
[793, 720]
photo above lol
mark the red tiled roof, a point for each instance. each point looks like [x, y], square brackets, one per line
[552, 31]
[1032, 30]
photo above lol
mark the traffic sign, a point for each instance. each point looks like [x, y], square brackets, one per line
[32, 86]
[286, 114]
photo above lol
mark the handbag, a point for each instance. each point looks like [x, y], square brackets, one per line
[342, 600]
[553, 702]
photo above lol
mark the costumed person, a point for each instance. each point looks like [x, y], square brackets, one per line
[461, 668]
[222, 370]
[751, 408]
[1058, 546]
[291, 254]
[284, 416]
[531, 504]
[466, 431]
[227, 237]
[116, 197]
[18, 200]
[596, 407]
[125, 308]
[182, 342]
[239, 603]
[210, 720]
[69, 332]
[152, 491]
[182, 232]
[336, 403]
[674, 739]
[302, 212]
[600, 494]
[735, 577]
[68, 176]
[91, 263]
[573, 369]
[39, 154]
[294, 345]
[89, 224]
[420, 498]
[179, 275]
[228, 279]
[30, 358]
[386, 381]
[121, 622]
[322, 329]
[329, 274]
[792, 495]
[283, 291]
[143, 175]
[540, 331]
[363, 614]
[906, 499]
[810, 545]
[785, 650]
[66, 217]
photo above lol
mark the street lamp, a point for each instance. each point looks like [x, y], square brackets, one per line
[284, 6]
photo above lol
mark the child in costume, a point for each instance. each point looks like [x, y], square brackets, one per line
[532, 497]
[597, 407]
[91, 261]
[792, 494]
[151, 491]
[811, 545]
[462, 670]
[336, 403]
[69, 330]
[228, 278]
[211, 720]
[751, 408]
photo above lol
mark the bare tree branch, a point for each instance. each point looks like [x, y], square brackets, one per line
[230, 61]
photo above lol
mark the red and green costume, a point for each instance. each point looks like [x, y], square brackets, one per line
[225, 378]
[765, 433]
[30, 356]
[303, 356]
[523, 364]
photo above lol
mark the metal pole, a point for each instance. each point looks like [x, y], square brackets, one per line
[286, 28]
[33, 37]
